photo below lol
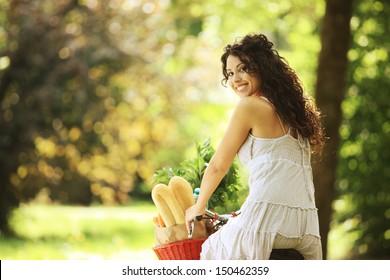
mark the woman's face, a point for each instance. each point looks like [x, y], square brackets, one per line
[243, 83]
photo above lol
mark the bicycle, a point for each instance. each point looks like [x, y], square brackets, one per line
[219, 220]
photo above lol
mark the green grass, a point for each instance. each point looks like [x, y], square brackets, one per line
[55, 232]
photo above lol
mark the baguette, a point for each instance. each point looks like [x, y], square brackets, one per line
[182, 191]
[167, 205]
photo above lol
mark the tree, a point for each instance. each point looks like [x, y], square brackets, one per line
[362, 208]
[330, 90]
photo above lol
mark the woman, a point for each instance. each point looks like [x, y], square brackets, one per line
[271, 130]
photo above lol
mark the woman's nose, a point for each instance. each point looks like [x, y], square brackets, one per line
[236, 77]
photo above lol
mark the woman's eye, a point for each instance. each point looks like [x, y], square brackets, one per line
[230, 74]
[243, 69]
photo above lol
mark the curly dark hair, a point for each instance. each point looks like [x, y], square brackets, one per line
[279, 84]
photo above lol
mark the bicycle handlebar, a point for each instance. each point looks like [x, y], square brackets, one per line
[215, 216]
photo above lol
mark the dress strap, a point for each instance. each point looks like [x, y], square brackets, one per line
[281, 124]
[280, 121]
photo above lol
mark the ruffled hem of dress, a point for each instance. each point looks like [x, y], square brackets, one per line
[290, 221]
[254, 201]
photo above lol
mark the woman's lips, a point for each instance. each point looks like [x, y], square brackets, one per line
[242, 87]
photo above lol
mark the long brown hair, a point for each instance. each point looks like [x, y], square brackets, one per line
[279, 84]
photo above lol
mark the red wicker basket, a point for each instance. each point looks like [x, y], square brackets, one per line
[181, 250]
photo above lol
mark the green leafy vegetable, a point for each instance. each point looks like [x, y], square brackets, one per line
[193, 169]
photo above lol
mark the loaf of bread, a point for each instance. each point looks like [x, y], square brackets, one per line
[167, 205]
[182, 191]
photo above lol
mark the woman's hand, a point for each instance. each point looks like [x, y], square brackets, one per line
[191, 215]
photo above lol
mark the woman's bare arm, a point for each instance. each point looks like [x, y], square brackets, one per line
[237, 131]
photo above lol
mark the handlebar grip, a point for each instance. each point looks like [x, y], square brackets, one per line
[199, 218]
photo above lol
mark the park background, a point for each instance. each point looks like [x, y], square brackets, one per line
[98, 95]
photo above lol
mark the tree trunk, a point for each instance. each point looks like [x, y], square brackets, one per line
[330, 88]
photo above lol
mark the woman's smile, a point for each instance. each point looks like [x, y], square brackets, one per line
[241, 88]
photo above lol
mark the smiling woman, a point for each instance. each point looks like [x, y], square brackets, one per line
[271, 131]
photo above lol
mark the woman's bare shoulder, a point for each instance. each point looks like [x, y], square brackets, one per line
[255, 105]
[261, 116]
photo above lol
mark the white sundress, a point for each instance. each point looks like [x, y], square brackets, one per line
[279, 211]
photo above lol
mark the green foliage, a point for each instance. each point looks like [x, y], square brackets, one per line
[193, 170]
[363, 207]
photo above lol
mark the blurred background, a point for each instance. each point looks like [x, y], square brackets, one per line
[98, 95]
